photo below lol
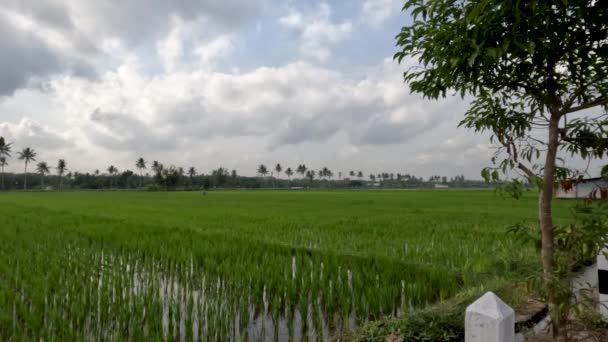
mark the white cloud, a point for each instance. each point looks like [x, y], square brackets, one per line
[317, 31]
[376, 12]
[208, 52]
[244, 117]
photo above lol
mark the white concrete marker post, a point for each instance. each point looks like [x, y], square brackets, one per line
[602, 282]
[489, 319]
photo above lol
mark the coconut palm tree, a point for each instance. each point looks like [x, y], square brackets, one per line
[262, 170]
[140, 164]
[191, 174]
[289, 172]
[5, 153]
[42, 169]
[311, 175]
[278, 169]
[157, 167]
[27, 155]
[112, 170]
[3, 163]
[61, 168]
[360, 175]
[302, 169]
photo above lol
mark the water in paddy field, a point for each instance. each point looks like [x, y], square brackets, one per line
[101, 296]
[262, 325]
[192, 310]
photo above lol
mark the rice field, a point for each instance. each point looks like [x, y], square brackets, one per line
[246, 265]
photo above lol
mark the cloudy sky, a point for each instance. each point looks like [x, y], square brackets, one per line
[222, 82]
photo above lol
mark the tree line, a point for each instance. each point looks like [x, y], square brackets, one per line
[156, 176]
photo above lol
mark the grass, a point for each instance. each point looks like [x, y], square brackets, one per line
[189, 265]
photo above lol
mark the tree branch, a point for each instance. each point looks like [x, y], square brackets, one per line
[597, 102]
[526, 170]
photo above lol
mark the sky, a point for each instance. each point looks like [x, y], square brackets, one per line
[209, 83]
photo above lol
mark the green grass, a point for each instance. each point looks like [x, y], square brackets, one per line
[404, 249]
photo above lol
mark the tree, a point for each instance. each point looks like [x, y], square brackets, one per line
[302, 169]
[352, 173]
[140, 164]
[168, 177]
[180, 173]
[5, 153]
[262, 170]
[27, 155]
[192, 174]
[157, 167]
[112, 171]
[289, 172]
[278, 169]
[528, 65]
[360, 174]
[42, 169]
[311, 176]
[3, 163]
[61, 167]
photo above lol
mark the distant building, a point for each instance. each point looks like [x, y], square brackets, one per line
[583, 188]
[441, 186]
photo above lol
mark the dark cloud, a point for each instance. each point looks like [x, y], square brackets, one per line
[23, 57]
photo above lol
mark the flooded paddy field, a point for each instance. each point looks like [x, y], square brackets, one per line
[245, 265]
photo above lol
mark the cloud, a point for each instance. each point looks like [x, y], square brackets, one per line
[29, 133]
[27, 58]
[40, 38]
[290, 105]
[376, 12]
[317, 31]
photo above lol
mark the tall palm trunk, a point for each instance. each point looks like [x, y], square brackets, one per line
[141, 179]
[42, 181]
[3, 177]
[60, 182]
[25, 177]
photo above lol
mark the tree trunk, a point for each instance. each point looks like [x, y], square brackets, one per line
[60, 182]
[546, 224]
[42, 181]
[3, 188]
[25, 177]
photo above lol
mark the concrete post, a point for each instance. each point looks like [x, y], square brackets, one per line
[489, 319]
[602, 282]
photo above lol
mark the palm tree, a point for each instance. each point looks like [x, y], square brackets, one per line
[311, 175]
[351, 173]
[157, 167]
[61, 167]
[360, 175]
[140, 164]
[42, 169]
[27, 155]
[3, 163]
[112, 170]
[278, 169]
[191, 174]
[302, 169]
[5, 152]
[262, 170]
[289, 172]
[180, 175]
